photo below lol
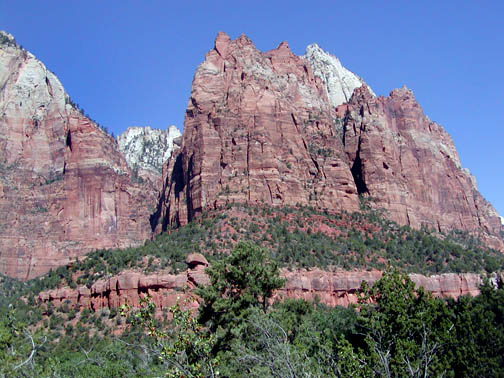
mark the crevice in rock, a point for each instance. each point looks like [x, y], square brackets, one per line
[190, 207]
[248, 159]
[175, 181]
[68, 141]
[358, 174]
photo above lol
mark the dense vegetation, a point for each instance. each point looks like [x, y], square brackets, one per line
[297, 237]
[403, 333]
[397, 332]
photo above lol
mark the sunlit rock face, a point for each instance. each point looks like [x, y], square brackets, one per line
[410, 166]
[65, 188]
[277, 129]
[165, 289]
[146, 149]
[338, 81]
[258, 128]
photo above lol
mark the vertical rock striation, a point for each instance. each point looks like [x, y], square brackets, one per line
[278, 129]
[410, 166]
[65, 188]
[258, 128]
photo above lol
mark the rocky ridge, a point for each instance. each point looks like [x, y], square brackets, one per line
[65, 189]
[330, 288]
[146, 149]
[261, 128]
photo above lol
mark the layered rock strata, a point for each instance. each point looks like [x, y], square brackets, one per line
[65, 189]
[330, 288]
[263, 128]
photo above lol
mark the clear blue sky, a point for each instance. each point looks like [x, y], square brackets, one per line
[131, 62]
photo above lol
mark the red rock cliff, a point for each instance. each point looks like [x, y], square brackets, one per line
[332, 289]
[64, 187]
[259, 127]
[410, 166]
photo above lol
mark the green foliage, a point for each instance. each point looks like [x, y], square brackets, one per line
[407, 330]
[297, 237]
[478, 349]
[399, 331]
[246, 279]
[186, 347]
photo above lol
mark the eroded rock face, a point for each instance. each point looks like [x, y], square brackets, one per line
[258, 128]
[65, 188]
[146, 149]
[331, 288]
[339, 82]
[410, 166]
[261, 127]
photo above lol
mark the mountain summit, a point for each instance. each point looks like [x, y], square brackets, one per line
[274, 128]
[267, 128]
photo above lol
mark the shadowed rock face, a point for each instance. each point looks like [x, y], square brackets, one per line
[259, 127]
[65, 189]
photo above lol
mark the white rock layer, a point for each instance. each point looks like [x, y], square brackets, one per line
[339, 82]
[146, 148]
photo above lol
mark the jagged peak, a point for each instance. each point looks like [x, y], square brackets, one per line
[223, 44]
[403, 92]
[314, 48]
[339, 82]
[147, 148]
[283, 45]
[361, 93]
[7, 39]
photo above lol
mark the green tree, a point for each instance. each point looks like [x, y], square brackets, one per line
[407, 331]
[185, 347]
[240, 282]
[478, 350]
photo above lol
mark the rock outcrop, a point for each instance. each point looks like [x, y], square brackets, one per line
[330, 288]
[410, 167]
[339, 82]
[258, 128]
[146, 149]
[262, 128]
[65, 189]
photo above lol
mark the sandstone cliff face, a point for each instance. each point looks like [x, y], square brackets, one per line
[65, 189]
[263, 128]
[146, 149]
[331, 288]
[258, 128]
[410, 166]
